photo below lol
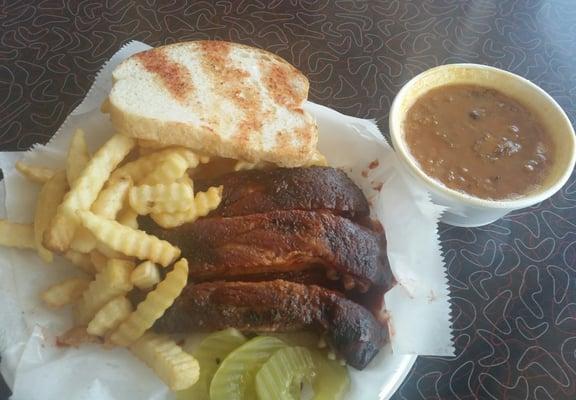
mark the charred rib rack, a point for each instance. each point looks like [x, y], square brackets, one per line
[287, 249]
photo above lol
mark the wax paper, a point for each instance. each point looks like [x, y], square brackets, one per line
[418, 306]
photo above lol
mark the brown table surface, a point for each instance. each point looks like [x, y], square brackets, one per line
[513, 282]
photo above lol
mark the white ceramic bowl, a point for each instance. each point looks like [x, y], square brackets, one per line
[468, 210]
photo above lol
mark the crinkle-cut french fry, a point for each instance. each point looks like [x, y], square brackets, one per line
[98, 260]
[65, 292]
[76, 336]
[35, 174]
[145, 275]
[138, 169]
[245, 165]
[110, 316]
[84, 191]
[49, 199]
[153, 307]
[169, 169]
[80, 260]
[317, 160]
[108, 203]
[78, 156]
[109, 253]
[191, 157]
[128, 241]
[84, 241]
[203, 203]
[128, 217]
[176, 368]
[112, 281]
[187, 180]
[170, 198]
[111, 199]
[13, 234]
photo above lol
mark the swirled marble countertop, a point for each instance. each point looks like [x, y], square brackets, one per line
[513, 282]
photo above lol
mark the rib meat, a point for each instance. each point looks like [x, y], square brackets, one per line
[315, 188]
[277, 306]
[281, 241]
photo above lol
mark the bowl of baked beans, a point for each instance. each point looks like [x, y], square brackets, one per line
[481, 140]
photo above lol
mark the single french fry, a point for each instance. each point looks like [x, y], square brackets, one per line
[153, 307]
[49, 199]
[191, 157]
[170, 168]
[128, 241]
[317, 160]
[175, 367]
[80, 260]
[65, 292]
[111, 199]
[108, 203]
[112, 281]
[110, 316]
[203, 203]
[13, 234]
[169, 198]
[245, 165]
[128, 217]
[110, 253]
[138, 169]
[78, 156]
[35, 174]
[145, 275]
[98, 260]
[187, 180]
[76, 336]
[84, 241]
[84, 191]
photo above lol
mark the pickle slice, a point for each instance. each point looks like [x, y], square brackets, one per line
[282, 375]
[234, 380]
[331, 381]
[210, 354]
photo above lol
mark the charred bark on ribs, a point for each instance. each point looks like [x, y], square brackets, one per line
[278, 306]
[277, 254]
[282, 241]
[314, 188]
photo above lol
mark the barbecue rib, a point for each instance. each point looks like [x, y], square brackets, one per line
[373, 299]
[315, 188]
[277, 306]
[281, 241]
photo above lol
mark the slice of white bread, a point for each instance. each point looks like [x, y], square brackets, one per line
[221, 98]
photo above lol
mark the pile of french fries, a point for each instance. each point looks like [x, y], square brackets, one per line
[88, 213]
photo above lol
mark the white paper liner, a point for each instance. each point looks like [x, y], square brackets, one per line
[418, 306]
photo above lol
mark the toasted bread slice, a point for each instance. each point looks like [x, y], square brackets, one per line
[221, 98]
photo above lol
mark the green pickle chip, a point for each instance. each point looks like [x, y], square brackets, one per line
[234, 380]
[284, 373]
[213, 349]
